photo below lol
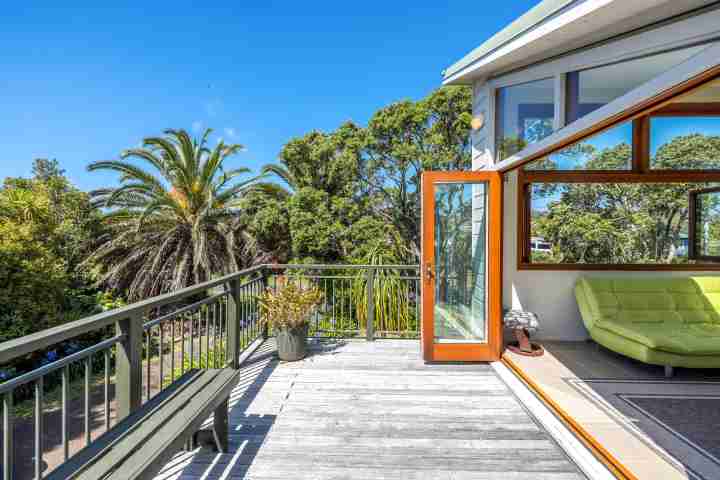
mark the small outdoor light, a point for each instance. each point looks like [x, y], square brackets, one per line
[478, 121]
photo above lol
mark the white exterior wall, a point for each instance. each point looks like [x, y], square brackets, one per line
[550, 294]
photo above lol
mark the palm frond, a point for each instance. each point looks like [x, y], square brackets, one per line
[178, 222]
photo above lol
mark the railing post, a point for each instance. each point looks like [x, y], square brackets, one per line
[370, 294]
[264, 285]
[129, 365]
[234, 313]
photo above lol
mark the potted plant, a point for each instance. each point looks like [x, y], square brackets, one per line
[287, 310]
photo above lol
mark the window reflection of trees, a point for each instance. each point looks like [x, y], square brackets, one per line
[459, 263]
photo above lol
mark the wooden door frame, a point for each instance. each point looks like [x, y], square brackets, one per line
[458, 352]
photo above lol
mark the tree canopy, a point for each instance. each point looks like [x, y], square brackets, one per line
[47, 227]
[620, 223]
[173, 220]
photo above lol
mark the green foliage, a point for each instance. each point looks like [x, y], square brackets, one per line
[622, 223]
[216, 357]
[175, 223]
[266, 219]
[406, 138]
[353, 189]
[46, 227]
[391, 295]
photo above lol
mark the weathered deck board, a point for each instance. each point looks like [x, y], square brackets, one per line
[360, 410]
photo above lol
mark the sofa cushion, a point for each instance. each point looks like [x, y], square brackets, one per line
[692, 299]
[694, 339]
[649, 316]
[658, 301]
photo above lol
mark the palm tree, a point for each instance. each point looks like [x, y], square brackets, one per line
[284, 174]
[175, 223]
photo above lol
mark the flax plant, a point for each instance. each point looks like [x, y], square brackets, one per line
[391, 296]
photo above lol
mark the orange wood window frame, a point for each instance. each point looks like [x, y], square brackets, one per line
[640, 172]
[446, 352]
[692, 230]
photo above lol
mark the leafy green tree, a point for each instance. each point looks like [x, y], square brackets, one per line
[623, 222]
[325, 199]
[265, 218]
[174, 220]
[406, 138]
[47, 226]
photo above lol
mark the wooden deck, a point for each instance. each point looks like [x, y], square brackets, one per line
[374, 410]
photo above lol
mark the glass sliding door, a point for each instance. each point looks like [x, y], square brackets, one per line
[461, 266]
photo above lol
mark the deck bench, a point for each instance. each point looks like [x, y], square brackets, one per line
[140, 445]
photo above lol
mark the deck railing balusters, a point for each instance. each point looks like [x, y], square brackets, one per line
[86, 394]
[226, 324]
[172, 349]
[147, 364]
[207, 336]
[183, 322]
[370, 298]
[198, 337]
[39, 430]
[225, 333]
[106, 389]
[161, 346]
[340, 313]
[8, 431]
[65, 418]
[192, 336]
[243, 321]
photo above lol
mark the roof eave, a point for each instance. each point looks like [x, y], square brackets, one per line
[529, 20]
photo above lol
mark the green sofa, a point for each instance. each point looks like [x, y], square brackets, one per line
[674, 322]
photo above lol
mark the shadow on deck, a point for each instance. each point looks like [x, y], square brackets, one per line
[371, 410]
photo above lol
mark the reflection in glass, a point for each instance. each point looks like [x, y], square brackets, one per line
[460, 268]
[525, 115]
[685, 143]
[613, 223]
[588, 90]
[707, 224]
[609, 150]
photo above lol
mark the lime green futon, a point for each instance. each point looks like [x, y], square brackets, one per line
[674, 322]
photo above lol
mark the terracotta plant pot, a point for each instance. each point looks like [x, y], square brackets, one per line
[292, 343]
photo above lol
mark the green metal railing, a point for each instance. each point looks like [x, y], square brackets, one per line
[367, 301]
[146, 346]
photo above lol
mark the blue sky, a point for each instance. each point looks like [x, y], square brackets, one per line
[82, 82]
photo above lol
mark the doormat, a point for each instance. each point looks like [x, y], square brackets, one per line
[679, 420]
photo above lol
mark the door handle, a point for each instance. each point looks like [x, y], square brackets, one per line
[429, 274]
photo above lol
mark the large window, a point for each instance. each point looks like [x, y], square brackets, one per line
[685, 135]
[588, 90]
[525, 115]
[609, 150]
[704, 241]
[612, 223]
[644, 194]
